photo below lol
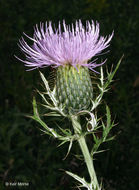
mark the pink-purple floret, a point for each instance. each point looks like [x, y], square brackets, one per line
[74, 45]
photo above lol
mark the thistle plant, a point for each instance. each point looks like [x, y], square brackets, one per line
[71, 49]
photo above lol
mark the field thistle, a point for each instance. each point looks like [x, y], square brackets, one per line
[71, 49]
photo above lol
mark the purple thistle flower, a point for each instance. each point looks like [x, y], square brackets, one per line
[74, 45]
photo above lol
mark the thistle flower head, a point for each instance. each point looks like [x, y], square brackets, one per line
[74, 45]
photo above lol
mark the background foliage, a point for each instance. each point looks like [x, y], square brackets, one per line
[28, 156]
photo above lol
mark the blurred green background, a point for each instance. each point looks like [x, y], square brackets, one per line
[28, 156]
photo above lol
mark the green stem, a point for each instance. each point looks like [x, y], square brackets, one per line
[85, 151]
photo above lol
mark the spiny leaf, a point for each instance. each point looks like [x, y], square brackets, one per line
[111, 75]
[100, 151]
[108, 116]
[43, 97]
[35, 110]
[45, 82]
[67, 132]
[81, 180]
[52, 114]
[111, 138]
[70, 146]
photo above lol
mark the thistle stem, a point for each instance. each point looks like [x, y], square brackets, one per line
[85, 151]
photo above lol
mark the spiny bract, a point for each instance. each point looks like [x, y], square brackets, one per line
[74, 88]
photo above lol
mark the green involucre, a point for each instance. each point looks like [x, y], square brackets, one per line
[74, 88]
